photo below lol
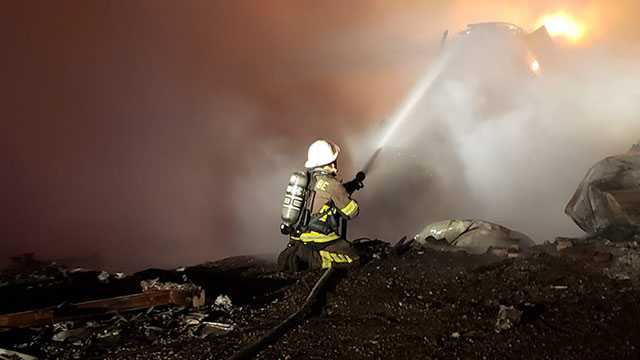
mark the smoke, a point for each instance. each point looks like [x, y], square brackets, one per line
[491, 146]
[517, 163]
[148, 133]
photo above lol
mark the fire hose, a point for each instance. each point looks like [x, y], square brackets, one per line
[250, 351]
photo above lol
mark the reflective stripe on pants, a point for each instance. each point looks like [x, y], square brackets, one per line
[329, 258]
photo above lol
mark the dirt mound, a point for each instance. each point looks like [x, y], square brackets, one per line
[436, 305]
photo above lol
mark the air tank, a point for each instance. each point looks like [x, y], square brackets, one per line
[294, 198]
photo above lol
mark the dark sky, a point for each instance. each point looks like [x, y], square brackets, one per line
[126, 122]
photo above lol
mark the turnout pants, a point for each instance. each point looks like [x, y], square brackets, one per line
[298, 255]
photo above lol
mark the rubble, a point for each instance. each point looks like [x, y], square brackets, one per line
[156, 284]
[26, 270]
[223, 302]
[191, 296]
[119, 276]
[563, 243]
[194, 319]
[474, 236]
[508, 316]
[153, 322]
[609, 196]
[418, 303]
[70, 334]
[14, 355]
[214, 328]
[103, 277]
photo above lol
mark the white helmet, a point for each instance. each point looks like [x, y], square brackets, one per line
[321, 153]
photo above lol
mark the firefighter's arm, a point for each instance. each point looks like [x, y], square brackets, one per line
[346, 206]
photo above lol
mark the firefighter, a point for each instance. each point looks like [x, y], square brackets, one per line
[322, 242]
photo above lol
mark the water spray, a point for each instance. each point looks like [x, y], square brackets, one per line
[407, 107]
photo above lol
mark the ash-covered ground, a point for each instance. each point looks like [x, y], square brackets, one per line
[573, 299]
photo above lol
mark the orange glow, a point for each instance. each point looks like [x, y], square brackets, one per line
[563, 25]
[535, 67]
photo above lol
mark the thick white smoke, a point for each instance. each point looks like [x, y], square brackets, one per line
[514, 161]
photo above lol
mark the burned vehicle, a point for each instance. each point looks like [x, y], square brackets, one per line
[495, 62]
[526, 52]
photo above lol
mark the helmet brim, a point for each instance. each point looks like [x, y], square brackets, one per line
[310, 165]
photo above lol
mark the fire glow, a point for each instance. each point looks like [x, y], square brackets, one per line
[535, 67]
[563, 25]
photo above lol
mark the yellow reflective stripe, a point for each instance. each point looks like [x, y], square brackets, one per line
[350, 209]
[327, 211]
[324, 208]
[313, 236]
[326, 259]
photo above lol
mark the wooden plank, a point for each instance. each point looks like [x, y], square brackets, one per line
[14, 355]
[192, 298]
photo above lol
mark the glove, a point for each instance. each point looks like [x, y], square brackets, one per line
[355, 184]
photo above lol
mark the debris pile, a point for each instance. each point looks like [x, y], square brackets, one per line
[571, 302]
[154, 308]
[474, 236]
[609, 196]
